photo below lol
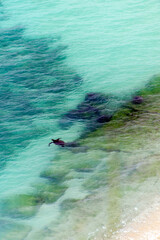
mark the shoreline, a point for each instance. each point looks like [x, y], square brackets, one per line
[145, 226]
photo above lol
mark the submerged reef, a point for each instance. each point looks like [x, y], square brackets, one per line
[117, 151]
[94, 110]
[121, 155]
[125, 133]
[23, 205]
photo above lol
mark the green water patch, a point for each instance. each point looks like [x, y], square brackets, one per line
[68, 204]
[59, 168]
[55, 173]
[150, 169]
[20, 206]
[27, 205]
[96, 180]
[66, 166]
[67, 161]
[50, 193]
[152, 87]
[86, 161]
[104, 172]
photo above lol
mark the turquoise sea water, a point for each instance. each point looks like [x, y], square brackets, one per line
[51, 54]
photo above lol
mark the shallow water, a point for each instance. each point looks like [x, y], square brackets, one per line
[52, 54]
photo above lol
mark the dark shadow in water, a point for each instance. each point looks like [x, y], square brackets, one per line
[95, 110]
[34, 80]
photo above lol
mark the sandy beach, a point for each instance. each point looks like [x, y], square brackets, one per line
[146, 226]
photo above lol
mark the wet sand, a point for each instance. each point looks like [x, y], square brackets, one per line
[146, 226]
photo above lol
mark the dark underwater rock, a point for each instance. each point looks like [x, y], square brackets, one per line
[83, 111]
[104, 119]
[93, 108]
[96, 98]
[137, 100]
